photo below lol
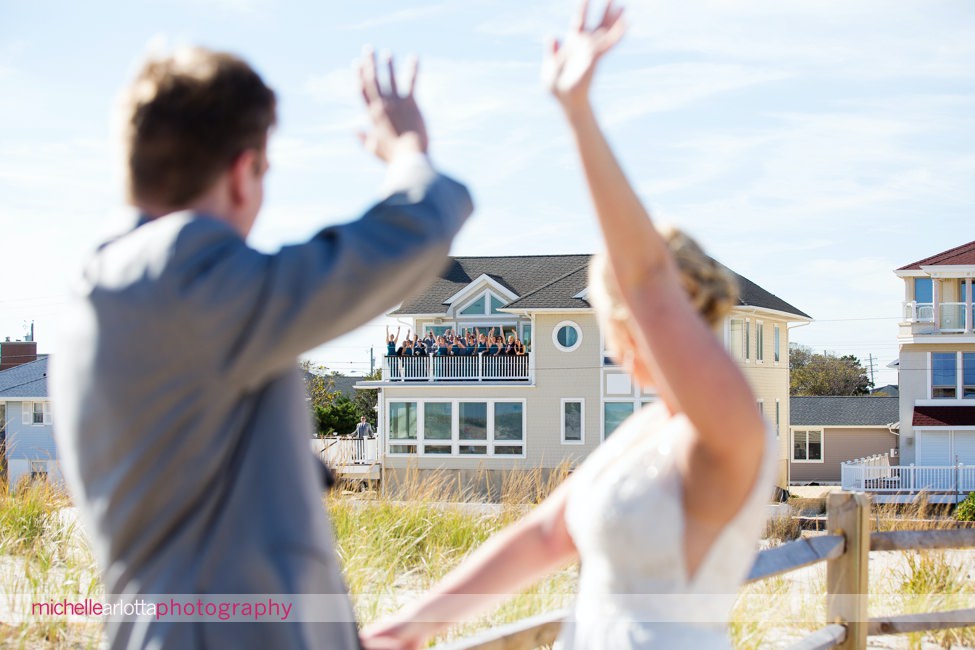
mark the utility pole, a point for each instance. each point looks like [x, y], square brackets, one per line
[372, 361]
[871, 371]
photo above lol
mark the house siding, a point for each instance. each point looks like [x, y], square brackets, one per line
[914, 371]
[769, 381]
[557, 376]
[28, 441]
[842, 444]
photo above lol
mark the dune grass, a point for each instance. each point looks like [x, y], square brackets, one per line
[396, 544]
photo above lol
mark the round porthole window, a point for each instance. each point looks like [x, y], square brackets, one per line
[567, 336]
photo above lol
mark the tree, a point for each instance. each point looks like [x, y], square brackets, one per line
[812, 374]
[366, 400]
[340, 417]
[319, 385]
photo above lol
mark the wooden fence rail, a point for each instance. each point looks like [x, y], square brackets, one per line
[846, 551]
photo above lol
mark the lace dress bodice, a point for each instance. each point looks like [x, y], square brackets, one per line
[625, 515]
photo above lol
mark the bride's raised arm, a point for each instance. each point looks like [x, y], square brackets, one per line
[690, 366]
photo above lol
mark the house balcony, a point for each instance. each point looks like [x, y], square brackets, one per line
[349, 457]
[474, 368]
[937, 318]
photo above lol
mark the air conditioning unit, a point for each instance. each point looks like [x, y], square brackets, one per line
[893, 452]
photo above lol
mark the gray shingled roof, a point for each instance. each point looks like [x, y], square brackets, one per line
[26, 380]
[838, 411]
[520, 273]
[752, 295]
[545, 282]
[558, 294]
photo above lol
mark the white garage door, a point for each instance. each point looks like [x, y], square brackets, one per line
[934, 448]
[965, 447]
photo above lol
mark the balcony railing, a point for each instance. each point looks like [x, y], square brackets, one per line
[453, 369]
[876, 474]
[919, 312]
[953, 317]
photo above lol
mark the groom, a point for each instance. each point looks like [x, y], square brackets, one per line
[181, 416]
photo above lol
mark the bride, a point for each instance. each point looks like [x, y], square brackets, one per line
[665, 515]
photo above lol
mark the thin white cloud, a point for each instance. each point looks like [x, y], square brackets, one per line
[410, 14]
[670, 87]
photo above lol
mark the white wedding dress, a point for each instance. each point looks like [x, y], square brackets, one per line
[626, 518]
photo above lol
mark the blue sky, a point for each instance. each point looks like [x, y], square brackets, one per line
[812, 146]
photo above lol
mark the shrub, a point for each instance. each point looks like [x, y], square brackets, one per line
[966, 509]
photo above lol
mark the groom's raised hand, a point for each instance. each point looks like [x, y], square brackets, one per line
[397, 126]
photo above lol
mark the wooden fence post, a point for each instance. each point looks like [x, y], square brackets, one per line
[848, 514]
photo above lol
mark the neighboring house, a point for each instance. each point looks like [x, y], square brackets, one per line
[828, 431]
[936, 370]
[565, 396]
[889, 390]
[25, 410]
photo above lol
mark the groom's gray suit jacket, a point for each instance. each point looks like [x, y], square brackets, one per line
[182, 421]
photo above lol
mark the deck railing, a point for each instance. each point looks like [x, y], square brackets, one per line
[846, 551]
[477, 367]
[339, 451]
[876, 474]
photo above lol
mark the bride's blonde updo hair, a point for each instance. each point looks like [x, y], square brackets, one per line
[712, 288]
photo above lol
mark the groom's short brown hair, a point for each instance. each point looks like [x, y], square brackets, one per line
[187, 117]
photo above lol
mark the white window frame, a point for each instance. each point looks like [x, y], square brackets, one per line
[961, 372]
[27, 413]
[759, 341]
[776, 343]
[37, 468]
[390, 441]
[739, 354]
[555, 336]
[637, 404]
[582, 420]
[807, 431]
[778, 418]
[959, 378]
[489, 443]
[747, 340]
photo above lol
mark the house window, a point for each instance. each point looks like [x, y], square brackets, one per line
[567, 336]
[944, 375]
[748, 340]
[736, 338]
[436, 330]
[509, 428]
[614, 413]
[458, 428]
[38, 470]
[526, 335]
[778, 420]
[36, 413]
[437, 427]
[776, 344]
[496, 305]
[760, 341]
[923, 290]
[476, 307]
[402, 427]
[572, 419]
[473, 421]
[807, 446]
[968, 375]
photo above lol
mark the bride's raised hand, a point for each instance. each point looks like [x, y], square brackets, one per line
[569, 65]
